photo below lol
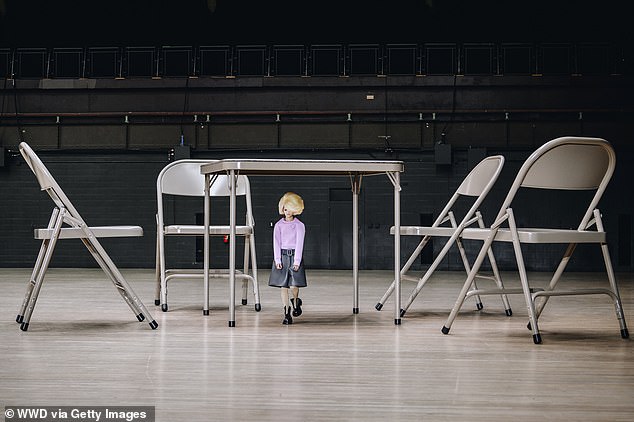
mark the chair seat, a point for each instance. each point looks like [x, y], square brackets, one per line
[527, 235]
[538, 235]
[425, 231]
[100, 231]
[193, 230]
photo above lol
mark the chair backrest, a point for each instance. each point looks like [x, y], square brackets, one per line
[567, 163]
[183, 178]
[477, 183]
[47, 181]
[480, 180]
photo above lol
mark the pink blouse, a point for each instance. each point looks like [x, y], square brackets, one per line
[288, 235]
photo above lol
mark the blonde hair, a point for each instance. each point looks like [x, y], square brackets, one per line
[293, 202]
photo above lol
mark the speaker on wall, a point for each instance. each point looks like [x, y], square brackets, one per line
[442, 154]
[182, 152]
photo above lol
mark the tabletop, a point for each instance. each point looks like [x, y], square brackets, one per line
[291, 166]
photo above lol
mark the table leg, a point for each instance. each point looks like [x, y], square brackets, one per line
[356, 187]
[232, 249]
[206, 248]
[397, 248]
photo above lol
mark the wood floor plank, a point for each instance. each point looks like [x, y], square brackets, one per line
[84, 347]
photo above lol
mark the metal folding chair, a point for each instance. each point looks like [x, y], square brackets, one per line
[473, 189]
[567, 163]
[66, 223]
[183, 178]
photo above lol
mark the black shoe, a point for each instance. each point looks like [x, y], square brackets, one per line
[297, 307]
[287, 316]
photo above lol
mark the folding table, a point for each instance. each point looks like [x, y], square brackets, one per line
[354, 169]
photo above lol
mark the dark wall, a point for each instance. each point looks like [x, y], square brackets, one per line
[120, 189]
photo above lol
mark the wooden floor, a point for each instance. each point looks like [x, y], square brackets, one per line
[84, 347]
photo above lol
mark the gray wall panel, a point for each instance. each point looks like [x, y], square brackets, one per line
[93, 136]
[243, 136]
[333, 135]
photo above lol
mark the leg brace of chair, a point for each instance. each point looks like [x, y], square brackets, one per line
[163, 275]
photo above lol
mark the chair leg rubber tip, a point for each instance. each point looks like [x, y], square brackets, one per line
[157, 302]
[397, 321]
[140, 317]
[244, 301]
[24, 326]
[508, 312]
[258, 307]
[19, 319]
[232, 323]
[206, 312]
[479, 306]
[445, 330]
[355, 310]
[378, 306]
[402, 313]
[153, 325]
[625, 333]
[537, 338]
[164, 307]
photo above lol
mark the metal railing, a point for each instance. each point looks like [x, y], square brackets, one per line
[230, 61]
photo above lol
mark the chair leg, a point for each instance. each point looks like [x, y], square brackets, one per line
[105, 267]
[33, 288]
[465, 263]
[499, 283]
[32, 281]
[157, 267]
[528, 297]
[33, 291]
[245, 282]
[387, 294]
[468, 282]
[41, 265]
[162, 271]
[613, 285]
[245, 291]
[421, 283]
[404, 270]
[423, 280]
[254, 270]
[122, 286]
[618, 306]
[496, 272]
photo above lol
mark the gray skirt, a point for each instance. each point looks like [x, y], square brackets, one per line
[286, 277]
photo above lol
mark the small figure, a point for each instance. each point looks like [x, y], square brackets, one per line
[288, 245]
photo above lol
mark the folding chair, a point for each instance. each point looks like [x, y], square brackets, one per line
[474, 188]
[567, 163]
[183, 178]
[65, 213]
